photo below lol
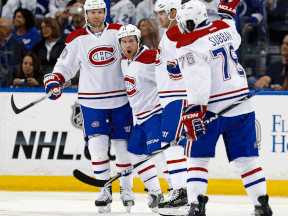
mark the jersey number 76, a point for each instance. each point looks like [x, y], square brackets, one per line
[228, 56]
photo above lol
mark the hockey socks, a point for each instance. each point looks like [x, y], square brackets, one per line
[147, 172]
[122, 162]
[253, 178]
[98, 148]
[197, 181]
[161, 161]
[177, 166]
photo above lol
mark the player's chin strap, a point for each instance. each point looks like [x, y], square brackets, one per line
[171, 20]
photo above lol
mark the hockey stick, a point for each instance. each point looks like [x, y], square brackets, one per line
[17, 111]
[103, 183]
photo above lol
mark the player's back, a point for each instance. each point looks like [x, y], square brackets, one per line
[213, 48]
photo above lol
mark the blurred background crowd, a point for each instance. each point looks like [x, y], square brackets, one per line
[33, 33]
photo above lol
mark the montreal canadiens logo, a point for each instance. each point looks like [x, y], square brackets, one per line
[102, 56]
[158, 57]
[130, 83]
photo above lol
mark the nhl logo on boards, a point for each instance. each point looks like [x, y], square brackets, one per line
[102, 56]
[77, 116]
[130, 84]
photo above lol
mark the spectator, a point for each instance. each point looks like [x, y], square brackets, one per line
[149, 33]
[275, 74]
[122, 12]
[70, 3]
[253, 11]
[78, 18]
[277, 18]
[29, 73]
[5, 68]
[50, 47]
[37, 7]
[145, 9]
[11, 6]
[56, 8]
[13, 48]
[24, 30]
[212, 9]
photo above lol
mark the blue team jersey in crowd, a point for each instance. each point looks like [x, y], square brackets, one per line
[255, 9]
[30, 38]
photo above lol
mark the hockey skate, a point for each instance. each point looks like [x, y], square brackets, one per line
[176, 205]
[198, 209]
[264, 209]
[104, 200]
[128, 198]
[155, 197]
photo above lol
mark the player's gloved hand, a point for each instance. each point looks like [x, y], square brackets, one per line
[174, 70]
[192, 118]
[52, 83]
[228, 6]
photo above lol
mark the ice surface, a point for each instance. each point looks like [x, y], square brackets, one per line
[72, 204]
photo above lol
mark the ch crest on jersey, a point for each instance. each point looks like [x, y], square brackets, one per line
[130, 84]
[102, 56]
[158, 57]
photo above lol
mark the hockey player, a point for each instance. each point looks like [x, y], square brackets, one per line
[214, 80]
[123, 12]
[172, 93]
[102, 95]
[138, 67]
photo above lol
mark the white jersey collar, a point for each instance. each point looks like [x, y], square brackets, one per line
[209, 24]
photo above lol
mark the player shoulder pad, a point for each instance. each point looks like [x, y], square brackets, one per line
[195, 35]
[147, 57]
[114, 26]
[174, 34]
[75, 34]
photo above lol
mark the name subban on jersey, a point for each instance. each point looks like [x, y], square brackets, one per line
[102, 56]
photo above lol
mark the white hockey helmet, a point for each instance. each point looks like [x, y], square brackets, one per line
[167, 6]
[193, 10]
[129, 30]
[94, 4]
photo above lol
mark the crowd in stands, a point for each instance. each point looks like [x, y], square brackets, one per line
[33, 34]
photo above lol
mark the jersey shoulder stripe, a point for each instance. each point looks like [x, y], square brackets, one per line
[75, 34]
[195, 35]
[147, 57]
[114, 26]
[174, 34]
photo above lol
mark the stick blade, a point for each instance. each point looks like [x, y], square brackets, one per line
[15, 109]
[88, 180]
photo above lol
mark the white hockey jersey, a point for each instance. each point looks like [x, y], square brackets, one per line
[101, 83]
[139, 76]
[123, 12]
[169, 90]
[210, 67]
[212, 9]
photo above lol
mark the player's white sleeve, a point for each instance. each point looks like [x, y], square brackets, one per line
[236, 36]
[196, 74]
[68, 63]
